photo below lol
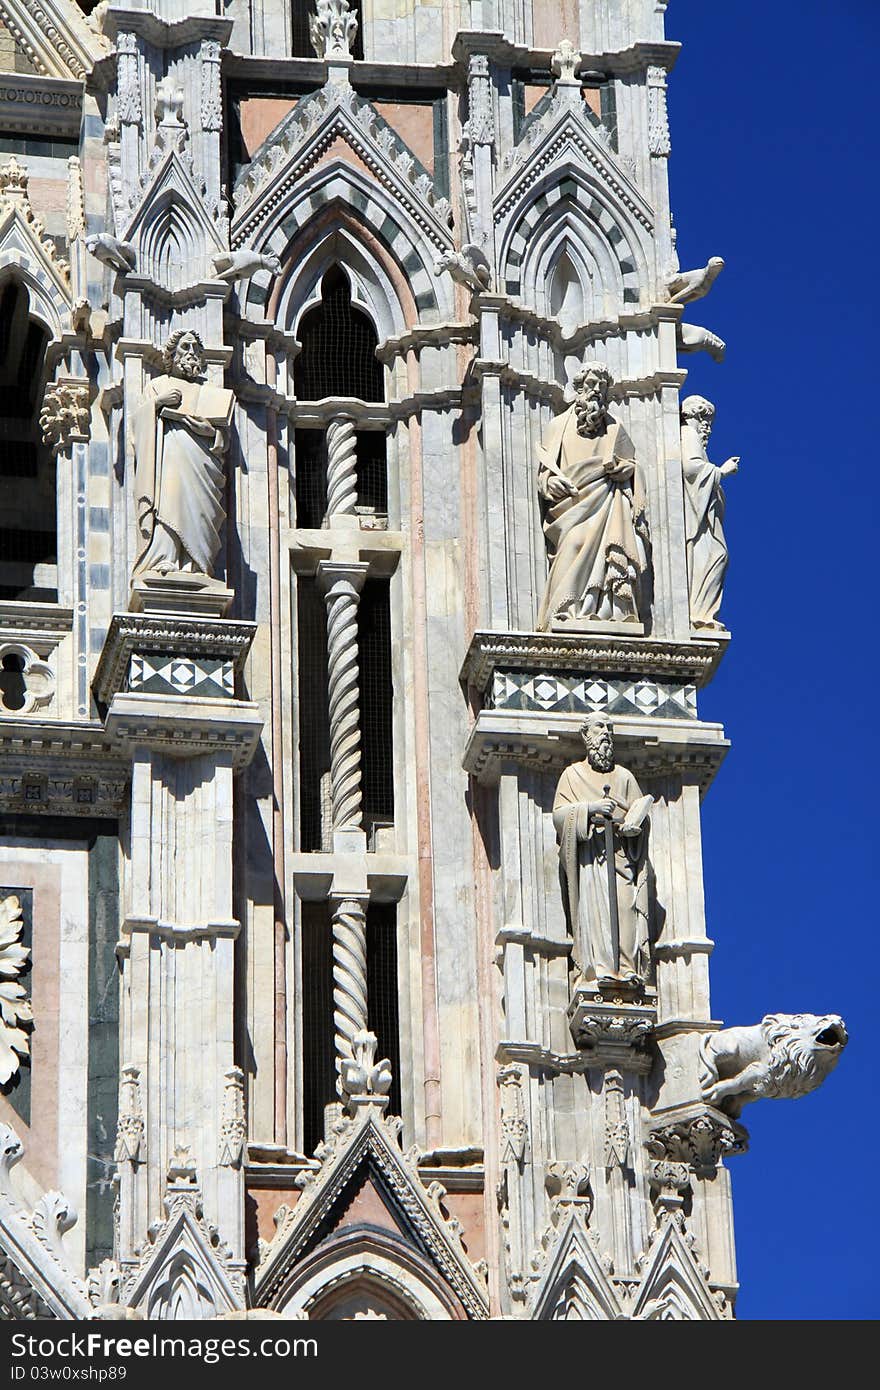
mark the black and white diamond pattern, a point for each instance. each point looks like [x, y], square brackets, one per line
[576, 694]
[181, 675]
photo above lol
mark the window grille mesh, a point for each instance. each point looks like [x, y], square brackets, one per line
[27, 468]
[338, 355]
[314, 716]
[310, 480]
[382, 990]
[376, 688]
[311, 477]
[372, 471]
[318, 1059]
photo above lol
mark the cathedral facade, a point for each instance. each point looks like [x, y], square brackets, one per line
[361, 570]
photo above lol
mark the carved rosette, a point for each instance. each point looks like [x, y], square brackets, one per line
[480, 127]
[16, 1013]
[211, 106]
[341, 468]
[128, 87]
[658, 120]
[66, 414]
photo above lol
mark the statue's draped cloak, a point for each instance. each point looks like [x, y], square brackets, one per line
[584, 874]
[597, 539]
[704, 514]
[179, 483]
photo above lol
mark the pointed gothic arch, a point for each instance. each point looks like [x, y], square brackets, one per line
[568, 215]
[338, 345]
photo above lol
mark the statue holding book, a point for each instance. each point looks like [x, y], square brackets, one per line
[601, 818]
[180, 433]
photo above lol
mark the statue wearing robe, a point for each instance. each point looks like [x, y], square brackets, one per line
[596, 532]
[584, 873]
[179, 474]
[704, 502]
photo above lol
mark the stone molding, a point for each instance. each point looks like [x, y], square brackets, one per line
[619, 61]
[55, 35]
[692, 661]
[131, 634]
[56, 768]
[184, 728]
[299, 142]
[34, 105]
[548, 742]
[613, 1032]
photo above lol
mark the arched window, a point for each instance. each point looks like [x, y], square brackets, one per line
[339, 342]
[28, 535]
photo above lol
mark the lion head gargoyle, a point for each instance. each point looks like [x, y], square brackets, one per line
[785, 1055]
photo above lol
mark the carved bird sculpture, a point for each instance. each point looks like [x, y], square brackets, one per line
[689, 285]
[119, 255]
[241, 265]
[469, 266]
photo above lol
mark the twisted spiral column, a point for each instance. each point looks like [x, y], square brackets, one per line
[341, 467]
[349, 976]
[342, 584]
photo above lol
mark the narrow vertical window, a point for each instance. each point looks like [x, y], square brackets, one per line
[315, 819]
[318, 1056]
[377, 689]
[383, 1007]
[28, 534]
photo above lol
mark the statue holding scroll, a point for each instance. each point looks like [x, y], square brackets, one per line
[180, 432]
[598, 808]
[594, 521]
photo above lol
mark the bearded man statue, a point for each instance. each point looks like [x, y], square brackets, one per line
[588, 794]
[180, 432]
[594, 519]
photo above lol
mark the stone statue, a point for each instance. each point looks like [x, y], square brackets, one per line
[597, 800]
[704, 512]
[180, 433]
[594, 511]
[785, 1055]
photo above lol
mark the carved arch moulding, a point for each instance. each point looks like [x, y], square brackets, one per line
[56, 36]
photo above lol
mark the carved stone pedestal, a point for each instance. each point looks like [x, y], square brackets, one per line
[196, 594]
[614, 1028]
[697, 1135]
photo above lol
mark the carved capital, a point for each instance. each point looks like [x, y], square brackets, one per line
[699, 1140]
[66, 414]
[332, 29]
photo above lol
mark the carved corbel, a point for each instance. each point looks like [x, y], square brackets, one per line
[66, 414]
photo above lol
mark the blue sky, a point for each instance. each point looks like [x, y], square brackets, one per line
[772, 110]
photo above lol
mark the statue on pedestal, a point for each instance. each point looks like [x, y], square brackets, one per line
[599, 807]
[594, 512]
[180, 432]
[704, 512]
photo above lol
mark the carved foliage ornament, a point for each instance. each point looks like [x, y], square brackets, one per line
[15, 1007]
[332, 29]
[65, 416]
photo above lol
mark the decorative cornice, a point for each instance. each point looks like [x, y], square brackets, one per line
[619, 61]
[185, 728]
[37, 104]
[55, 768]
[148, 634]
[697, 1135]
[550, 741]
[695, 660]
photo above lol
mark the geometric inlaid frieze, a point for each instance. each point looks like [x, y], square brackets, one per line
[530, 690]
[206, 677]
